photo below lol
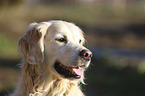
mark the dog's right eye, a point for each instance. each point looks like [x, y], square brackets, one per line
[61, 40]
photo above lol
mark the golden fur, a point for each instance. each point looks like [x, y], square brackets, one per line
[40, 51]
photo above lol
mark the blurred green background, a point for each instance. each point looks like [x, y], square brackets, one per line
[115, 33]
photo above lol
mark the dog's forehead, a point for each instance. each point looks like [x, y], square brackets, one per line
[68, 29]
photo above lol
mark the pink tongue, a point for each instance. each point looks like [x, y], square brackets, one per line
[78, 71]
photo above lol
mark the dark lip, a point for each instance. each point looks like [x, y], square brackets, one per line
[66, 71]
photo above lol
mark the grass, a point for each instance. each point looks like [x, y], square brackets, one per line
[8, 47]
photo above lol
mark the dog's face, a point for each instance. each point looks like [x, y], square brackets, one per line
[64, 44]
[63, 50]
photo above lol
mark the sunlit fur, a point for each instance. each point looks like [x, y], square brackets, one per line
[40, 51]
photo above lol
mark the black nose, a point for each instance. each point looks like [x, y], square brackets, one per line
[86, 54]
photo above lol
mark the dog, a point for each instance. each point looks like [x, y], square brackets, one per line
[54, 60]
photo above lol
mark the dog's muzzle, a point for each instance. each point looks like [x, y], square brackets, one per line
[74, 72]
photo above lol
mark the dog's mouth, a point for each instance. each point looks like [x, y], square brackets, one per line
[68, 72]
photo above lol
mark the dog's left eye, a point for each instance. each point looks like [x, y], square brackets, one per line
[80, 41]
[61, 40]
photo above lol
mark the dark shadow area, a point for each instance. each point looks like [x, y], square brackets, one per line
[105, 80]
[11, 63]
[6, 92]
[101, 79]
[9, 75]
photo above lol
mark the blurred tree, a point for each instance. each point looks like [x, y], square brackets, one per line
[9, 2]
[48, 1]
[59, 0]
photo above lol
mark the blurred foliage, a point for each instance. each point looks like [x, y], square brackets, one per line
[104, 26]
[10, 2]
[141, 67]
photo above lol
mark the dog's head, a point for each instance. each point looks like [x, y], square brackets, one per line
[58, 44]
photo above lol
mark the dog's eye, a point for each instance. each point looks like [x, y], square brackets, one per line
[61, 40]
[80, 41]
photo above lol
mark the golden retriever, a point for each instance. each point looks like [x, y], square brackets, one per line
[54, 60]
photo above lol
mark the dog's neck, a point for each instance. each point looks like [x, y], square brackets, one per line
[36, 83]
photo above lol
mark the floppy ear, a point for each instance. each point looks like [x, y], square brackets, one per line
[31, 45]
